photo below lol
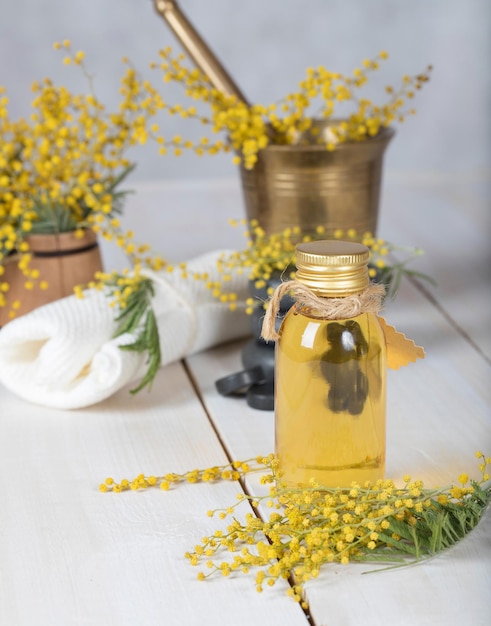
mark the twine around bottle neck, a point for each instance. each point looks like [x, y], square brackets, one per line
[368, 301]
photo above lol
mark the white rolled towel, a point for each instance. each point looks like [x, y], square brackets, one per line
[64, 355]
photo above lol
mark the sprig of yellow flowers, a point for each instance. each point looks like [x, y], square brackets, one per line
[266, 256]
[263, 257]
[250, 128]
[132, 296]
[312, 526]
[61, 168]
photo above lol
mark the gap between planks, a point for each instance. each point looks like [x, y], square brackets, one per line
[451, 321]
[241, 481]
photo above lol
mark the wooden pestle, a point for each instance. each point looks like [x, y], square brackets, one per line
[197, 49]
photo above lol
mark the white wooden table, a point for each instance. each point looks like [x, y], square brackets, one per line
[70, 555]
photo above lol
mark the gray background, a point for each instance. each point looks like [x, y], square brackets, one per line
[267, 45]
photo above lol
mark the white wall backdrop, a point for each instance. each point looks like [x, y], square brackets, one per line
[267, 45]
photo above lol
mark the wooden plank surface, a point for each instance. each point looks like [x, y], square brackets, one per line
[72, 555]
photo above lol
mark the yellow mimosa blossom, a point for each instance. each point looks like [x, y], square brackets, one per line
[312, 525]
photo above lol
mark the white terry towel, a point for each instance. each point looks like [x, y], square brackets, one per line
[62, 355]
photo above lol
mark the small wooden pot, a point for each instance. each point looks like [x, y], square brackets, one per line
[63, 261]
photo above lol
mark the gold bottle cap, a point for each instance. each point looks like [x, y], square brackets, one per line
[333, 268]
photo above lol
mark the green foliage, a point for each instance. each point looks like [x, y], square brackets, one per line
[426, 533]
[138, 318]
[53, 216]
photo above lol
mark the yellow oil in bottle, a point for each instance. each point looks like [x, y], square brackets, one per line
[330, 399]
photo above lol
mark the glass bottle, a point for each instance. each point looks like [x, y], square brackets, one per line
[330, 377]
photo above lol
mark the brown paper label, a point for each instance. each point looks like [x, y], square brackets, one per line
[400, 349]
